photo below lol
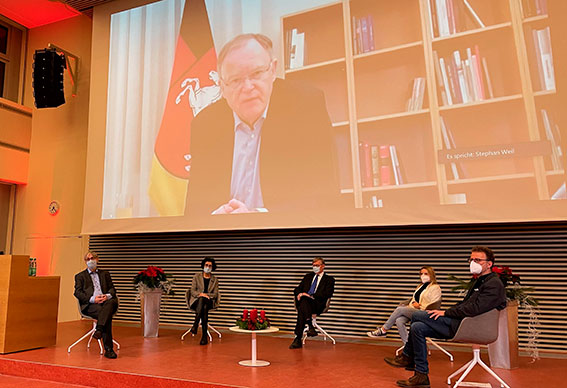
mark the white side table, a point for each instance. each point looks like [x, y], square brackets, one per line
[254, 361]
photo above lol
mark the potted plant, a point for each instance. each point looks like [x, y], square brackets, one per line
[150, 284]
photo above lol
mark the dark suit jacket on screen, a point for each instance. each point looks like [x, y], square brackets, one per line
[84, 287]
[297, 168]
[324, 291]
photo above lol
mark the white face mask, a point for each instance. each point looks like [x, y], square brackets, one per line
[475, 268]
[316, 269]
[425, 278]
[91, 264]
[207, 269]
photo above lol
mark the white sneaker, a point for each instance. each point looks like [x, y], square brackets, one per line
[376, 333]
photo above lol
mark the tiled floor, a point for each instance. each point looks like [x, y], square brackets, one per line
[186, 363]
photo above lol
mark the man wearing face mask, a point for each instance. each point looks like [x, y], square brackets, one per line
[487, 293]
[311, 298]
[97, 297]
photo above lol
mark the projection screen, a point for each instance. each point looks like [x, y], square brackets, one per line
[360, 113]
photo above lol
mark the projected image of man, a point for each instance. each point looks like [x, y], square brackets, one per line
[267, 145]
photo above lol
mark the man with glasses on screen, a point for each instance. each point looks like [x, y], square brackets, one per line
[487, 293]
[266, 146]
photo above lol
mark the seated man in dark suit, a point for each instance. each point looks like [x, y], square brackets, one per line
[311, 298]
[97, 298]
[487, 293]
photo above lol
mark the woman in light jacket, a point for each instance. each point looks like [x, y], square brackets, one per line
[203, 296]
[426, 293]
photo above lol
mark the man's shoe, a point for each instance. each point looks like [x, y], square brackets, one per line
[311, 332]
[296, 344]
[194, 328]
[110, 354]
[417, 380]
[401, 361]
[204, 340]
[376, 333]
[97, 335]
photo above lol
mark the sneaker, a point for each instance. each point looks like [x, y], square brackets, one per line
[376, 333]
[417, 380]
[401, 361]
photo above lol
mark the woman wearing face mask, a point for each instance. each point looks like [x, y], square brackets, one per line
[426, 293]
[203, 296]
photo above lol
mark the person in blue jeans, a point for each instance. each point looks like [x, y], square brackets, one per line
[487, 293]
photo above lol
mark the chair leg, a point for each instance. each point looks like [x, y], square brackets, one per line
[399, 350]
[492, 373]
[117, 344]
[469, 366]
[315, 324]
[440, 348]
[215, 330]
[90, 332]
[184, 334]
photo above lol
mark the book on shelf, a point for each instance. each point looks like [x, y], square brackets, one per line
[463, 79]
[375, 155]
[398, 178]
[380, 165]
[553, 134]
[448, 17]
[449, 144]
[415, 102]
[362, 34]
[544, 58]
[534, 8]
[385, 166]
[295, 49]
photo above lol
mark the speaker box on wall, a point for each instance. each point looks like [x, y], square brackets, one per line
[48, 69]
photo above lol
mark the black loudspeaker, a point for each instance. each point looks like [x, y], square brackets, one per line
[48, 69]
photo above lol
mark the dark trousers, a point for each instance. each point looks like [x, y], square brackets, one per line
[103, 313]
[306, 307]
[423, 326]
[202, 306]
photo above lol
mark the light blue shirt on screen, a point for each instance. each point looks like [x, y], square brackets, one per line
[245, 181]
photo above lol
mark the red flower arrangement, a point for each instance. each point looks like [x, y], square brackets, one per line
[153, 278]
[251, 320]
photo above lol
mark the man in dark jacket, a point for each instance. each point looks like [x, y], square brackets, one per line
[311, 297]
[487, 293]
[97, 297]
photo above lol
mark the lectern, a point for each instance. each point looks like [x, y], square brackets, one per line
[28, 306]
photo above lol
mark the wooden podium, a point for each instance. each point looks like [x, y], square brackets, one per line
[28, 306]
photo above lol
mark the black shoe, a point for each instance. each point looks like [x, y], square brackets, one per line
[110, 354]
[204, 340]
[417, 380]
[401, 361]
[296, 344]
[194, 328]
[311, 332]
[97, 335]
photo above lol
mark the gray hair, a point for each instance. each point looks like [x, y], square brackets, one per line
[239, 41]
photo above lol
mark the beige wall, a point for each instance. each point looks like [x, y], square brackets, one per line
[57, 167]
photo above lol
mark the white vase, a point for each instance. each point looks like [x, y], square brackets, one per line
[150, 306]
[503, 352]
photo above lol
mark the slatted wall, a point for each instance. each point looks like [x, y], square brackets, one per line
[374, 267]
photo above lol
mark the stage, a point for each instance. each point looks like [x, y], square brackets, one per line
[167, 361]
